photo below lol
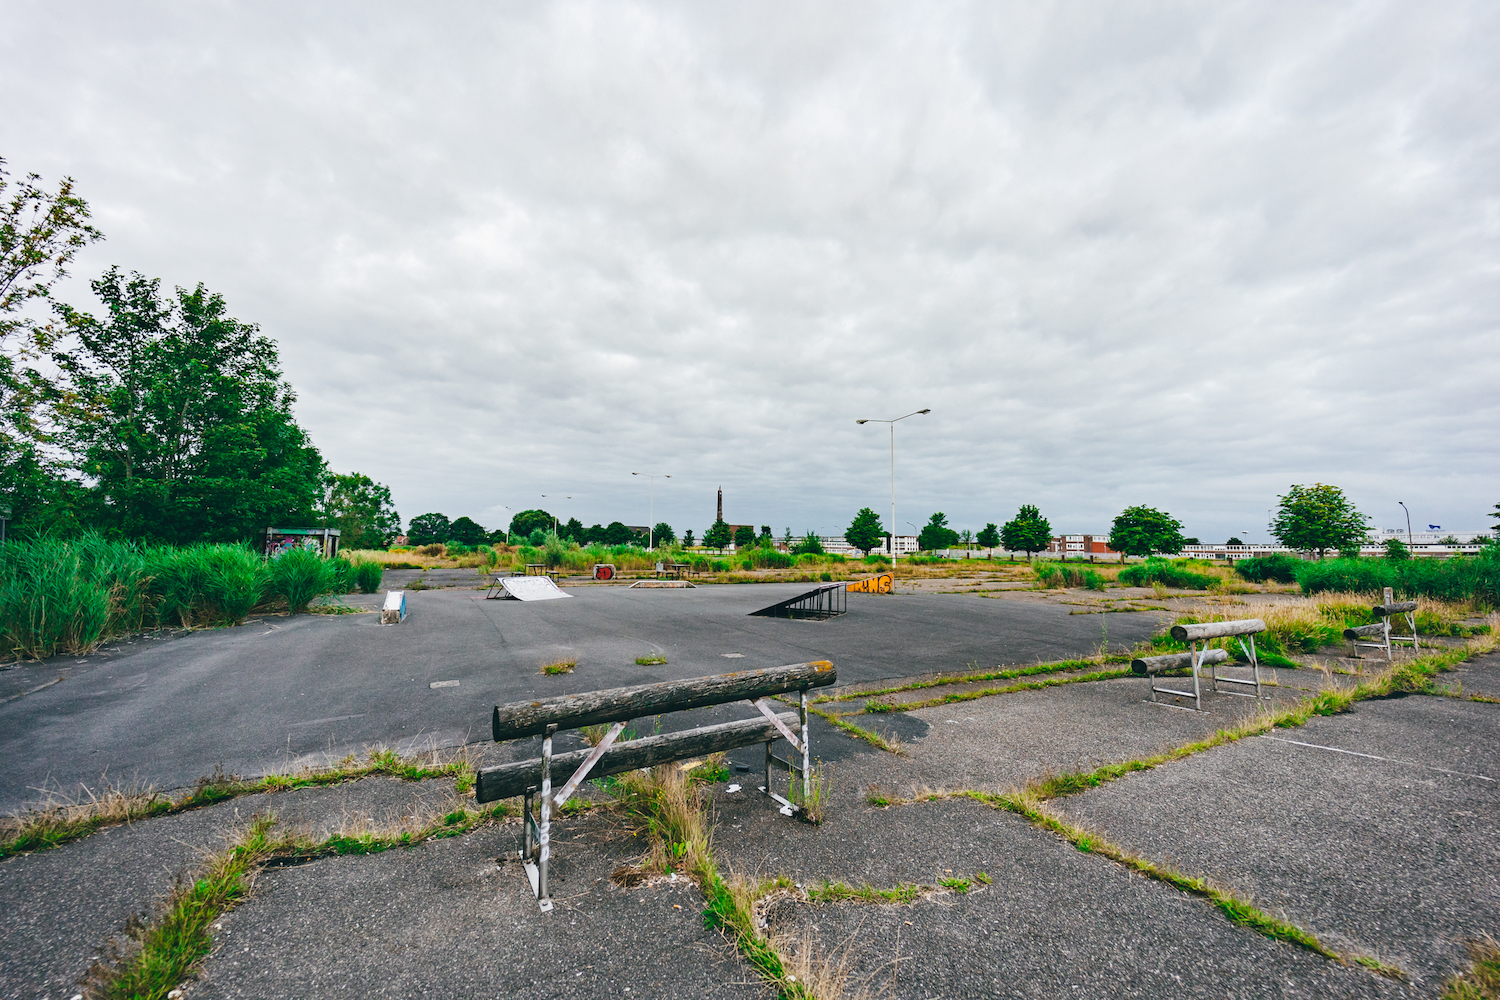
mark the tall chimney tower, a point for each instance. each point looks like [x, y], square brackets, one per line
[721, 504]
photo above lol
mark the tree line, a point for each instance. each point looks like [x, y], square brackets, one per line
[158, 415]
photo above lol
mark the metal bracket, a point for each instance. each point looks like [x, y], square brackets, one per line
[588, 764]
[786, 733]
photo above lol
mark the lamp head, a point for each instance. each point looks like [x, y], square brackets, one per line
[861, 421]
[924, 411]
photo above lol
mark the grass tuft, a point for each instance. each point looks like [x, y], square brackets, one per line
[560, 667]
[1482, 981]
[650, 660]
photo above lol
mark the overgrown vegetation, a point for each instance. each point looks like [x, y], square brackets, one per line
[1482, 981]
[1060, 574]
[1168, 573]
[67, 596]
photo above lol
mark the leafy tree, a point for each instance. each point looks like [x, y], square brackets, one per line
[1496, 515]
[1140, 531]
[428, 529]
[466, 532]
[865, 532]
[663, 534]
[744, 537]
[989, 537]
[936, 534]
[717, 537]
[1234, 541]
[573, 530]
[181, 418]
[687, 538]
[1318, 518]
[966, 538]
[499, 536]
[1396, 549]
[361, 509]
[808, 545]
[618, 534]
[528, 521]
[40, 232]
[1027, 532]
[1191, 541]
[765, 532]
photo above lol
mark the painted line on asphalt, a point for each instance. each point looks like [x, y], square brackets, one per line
[1388, 760]
[443, 684]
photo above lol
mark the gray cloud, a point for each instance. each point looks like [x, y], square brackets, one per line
[1183, 256]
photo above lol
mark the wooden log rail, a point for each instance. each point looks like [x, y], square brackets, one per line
[616, 707]
[1377, 634]
[1244, 630]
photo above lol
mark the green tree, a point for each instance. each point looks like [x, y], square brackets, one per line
[1234, 541]
[466, 531]
[765, 534]
[936, 534]
[428, 529]
[618, 534]
[1027, 532]
[1140, 531]
[662, 534]
[687, 538]
[865, 532]
[1496, 515]
[573, 530]
[1396, 549]
[808, 545]
[717, 537]
[181, 419]
[989, 537]
[744, 537]
[361, 509]
[528, 521]
[1318, 518]
[40, 232]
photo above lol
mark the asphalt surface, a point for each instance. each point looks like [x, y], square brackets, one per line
[278, 691]
[1392, 858]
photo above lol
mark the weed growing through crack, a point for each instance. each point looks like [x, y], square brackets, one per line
[1482, 981]
[650, 660]
[888, 742]
[958, 885]
[982, 877]
[812, 805]
[560, 667]
[838, 892]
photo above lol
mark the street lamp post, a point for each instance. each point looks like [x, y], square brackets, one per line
[892, 422]
[651, 523]
[1408, 525]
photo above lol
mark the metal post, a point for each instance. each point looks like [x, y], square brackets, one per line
[806, 761]
[528, 815]
[768, 767]
[544, 835]
[1389, 597]
[1197, 691]
[1255, 666]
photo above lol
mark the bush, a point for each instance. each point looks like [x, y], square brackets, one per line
[50, 600]
[1281, 568]
[1052, 575]
[1165, 572]
[301, 575]
[367, 576]
[197, 585]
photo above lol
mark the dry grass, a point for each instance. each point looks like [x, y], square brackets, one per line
[1482, 981]
[559, 667]
[826, 975]
[434, 557]
[668, 805]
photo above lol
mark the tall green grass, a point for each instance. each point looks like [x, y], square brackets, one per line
[1052, 575]
[67, 596]
[1167, 572]
[1460, 579]
[1281, 568]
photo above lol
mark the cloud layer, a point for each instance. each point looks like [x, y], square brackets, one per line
[1185, 256]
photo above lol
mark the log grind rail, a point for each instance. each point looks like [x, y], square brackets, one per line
[1381, 631]
[616, 707]
[1194, 634]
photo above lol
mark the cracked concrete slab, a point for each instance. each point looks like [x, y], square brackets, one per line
[1393, 852]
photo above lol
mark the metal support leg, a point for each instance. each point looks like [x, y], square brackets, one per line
[527, 819]
[1255, 666]
[768, 767]
[544, 834]
[806, 759]
[1197, 689]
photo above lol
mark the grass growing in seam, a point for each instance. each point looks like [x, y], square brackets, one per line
[887, 743]
[978, 677]
[57, 823]
[1482, 981]
[171, 946]
[952, 698]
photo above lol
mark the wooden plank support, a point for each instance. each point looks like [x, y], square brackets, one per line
[1217, 630]
[1175, 661]
[1365, 631]
[495, 783]
[528, 718]
[1386, 610]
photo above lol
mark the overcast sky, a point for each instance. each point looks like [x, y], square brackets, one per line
[1177, 255]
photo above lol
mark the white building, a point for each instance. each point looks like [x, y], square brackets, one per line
[836, 544]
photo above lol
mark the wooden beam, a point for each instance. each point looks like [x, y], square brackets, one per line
[1361, 631]
[527, 718]
[1382, 610]
[1216, 630]
[494, 783]
[1175, 661]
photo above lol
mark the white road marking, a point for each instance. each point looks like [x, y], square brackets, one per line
[733, 656]
[1388, 760]
[319, 722]
[443, 684]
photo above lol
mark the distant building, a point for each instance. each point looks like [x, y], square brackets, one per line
[1080, 546]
